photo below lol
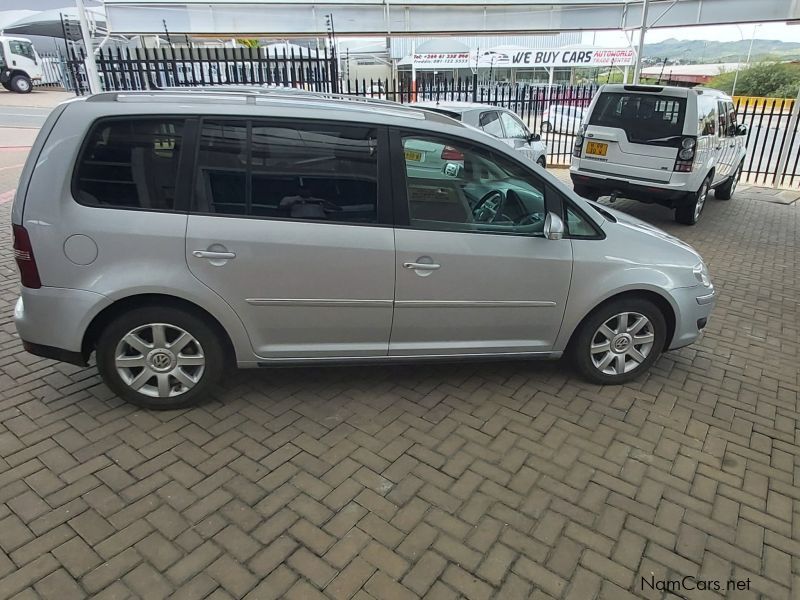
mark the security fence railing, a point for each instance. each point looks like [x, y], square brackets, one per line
[555, 112]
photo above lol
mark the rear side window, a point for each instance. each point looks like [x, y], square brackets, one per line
[316, 172]
[130, 163]
[706, 115]
[646, 118]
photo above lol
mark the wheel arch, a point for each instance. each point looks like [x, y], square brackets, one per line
[102, 319]
[664, 305]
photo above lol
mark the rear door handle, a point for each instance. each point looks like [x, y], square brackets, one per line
[214, 255]
[415, 266]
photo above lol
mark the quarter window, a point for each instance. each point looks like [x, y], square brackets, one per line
[308, 172]
[455, 186]
[706, 115]
[490, 123]
[131, 163]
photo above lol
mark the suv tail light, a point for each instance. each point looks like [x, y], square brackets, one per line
[685, 159]
[451, 154]
[576, 149]
[23, 254]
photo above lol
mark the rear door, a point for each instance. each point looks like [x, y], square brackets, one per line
[726, 147]
[634, 135]
[290, 226]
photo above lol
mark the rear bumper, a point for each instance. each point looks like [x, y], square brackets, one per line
[52, 321]
[661, 194]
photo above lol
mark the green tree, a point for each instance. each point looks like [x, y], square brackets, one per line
[772, 80]
[248, 43]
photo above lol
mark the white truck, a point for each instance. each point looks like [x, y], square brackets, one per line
[20, 65]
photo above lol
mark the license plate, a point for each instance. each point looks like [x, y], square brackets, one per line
[596, 148]
[412, 155]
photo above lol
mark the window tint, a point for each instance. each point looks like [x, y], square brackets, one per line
[645, 118]
[514, 129]
[131, 163]
[732, 122]
[454, 186]
[310, 172]
[723, 119]
[706, 115]
[490, 123]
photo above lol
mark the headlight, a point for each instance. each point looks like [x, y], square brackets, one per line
[701, 274]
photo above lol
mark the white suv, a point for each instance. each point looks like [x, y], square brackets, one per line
[668, 145]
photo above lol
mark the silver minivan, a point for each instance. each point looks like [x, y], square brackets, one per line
[175, 233]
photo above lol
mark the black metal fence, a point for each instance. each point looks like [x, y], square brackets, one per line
[556, 113]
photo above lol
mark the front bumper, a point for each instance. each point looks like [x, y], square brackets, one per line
[52, 321]
[694, 306]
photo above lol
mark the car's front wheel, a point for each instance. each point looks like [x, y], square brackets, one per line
[728, 189]
[619, 341]
[160, 357]
[21, 84]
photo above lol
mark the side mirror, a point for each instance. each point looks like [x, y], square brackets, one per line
[534, 137]
[553, 227]
[741, 130]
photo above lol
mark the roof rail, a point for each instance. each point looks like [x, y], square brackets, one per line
[252, 95]
[240, 90]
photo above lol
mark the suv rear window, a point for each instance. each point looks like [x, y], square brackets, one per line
[130, 163]
[645, 118]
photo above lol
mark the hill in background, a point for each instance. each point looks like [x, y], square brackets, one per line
[709, 51]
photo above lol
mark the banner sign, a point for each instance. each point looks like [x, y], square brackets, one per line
[522, 58]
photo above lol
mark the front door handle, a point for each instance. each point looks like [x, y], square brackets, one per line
[214, 255]
[415, 266]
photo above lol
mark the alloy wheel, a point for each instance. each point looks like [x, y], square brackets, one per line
[701, 201]
[159, 360]
[622, 343]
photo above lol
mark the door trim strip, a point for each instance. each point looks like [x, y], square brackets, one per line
[474, 303]
[321, 302]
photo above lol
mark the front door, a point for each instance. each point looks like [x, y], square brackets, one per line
[286, 227]
[474, 272]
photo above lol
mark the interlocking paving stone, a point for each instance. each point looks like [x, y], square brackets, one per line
[503, 480]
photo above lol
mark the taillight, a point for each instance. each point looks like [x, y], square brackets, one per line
[686, 152]
[23, 254]
[450, 153]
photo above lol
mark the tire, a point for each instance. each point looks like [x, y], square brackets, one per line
[167, 387]
[590, 363]
[542, 162]
[586, 192]
[690, 211]
[21, 84]
[547, 127]
[728, 189]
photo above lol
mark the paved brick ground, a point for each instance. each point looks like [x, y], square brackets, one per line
[507, 480]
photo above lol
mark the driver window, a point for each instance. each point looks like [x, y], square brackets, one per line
[456, 186]
[514, 129]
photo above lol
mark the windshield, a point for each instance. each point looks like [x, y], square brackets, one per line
[22, 49]
[645, 118]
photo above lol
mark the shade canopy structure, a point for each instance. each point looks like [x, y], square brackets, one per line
[301, 18]
[47, 23]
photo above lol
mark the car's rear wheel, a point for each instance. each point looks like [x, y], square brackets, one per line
[619, 341]
[728, 189]
[547, 127]
[160, 357]
[690, 211]
[542, 162]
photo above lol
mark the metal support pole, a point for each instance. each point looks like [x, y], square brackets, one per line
[91, 66]
[640, 51]
[783, 159]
